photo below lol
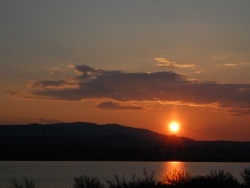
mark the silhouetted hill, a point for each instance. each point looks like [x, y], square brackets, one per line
[78, 129]
[89, 141]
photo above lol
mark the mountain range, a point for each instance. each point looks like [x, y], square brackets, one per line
[90, 141]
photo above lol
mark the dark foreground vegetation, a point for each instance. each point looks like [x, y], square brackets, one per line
[173, 179]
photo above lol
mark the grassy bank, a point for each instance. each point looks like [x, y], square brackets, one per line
[172, 179]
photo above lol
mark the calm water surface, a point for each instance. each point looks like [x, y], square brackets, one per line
[61, 173]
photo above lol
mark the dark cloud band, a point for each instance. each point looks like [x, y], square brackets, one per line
[94, 83]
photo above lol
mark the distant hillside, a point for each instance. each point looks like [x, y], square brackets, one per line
[77, 129]
[89, 141]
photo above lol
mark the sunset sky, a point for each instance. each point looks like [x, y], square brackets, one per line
[139, 63]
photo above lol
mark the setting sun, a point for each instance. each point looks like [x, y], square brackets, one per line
[174, 126]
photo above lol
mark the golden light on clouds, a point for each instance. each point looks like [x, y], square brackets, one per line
[163, 62]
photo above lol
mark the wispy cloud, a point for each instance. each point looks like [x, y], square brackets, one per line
[117, 106]
[69, 83]
[229, 60]
[239, 111]
[25, 94]
[121, 87]
[163, 62]
[232, 64]
[72, 66]
[227, 65]
[199, 72]
[49, 121]
[55, 70]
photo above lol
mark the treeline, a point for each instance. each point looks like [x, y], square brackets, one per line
[173, 179]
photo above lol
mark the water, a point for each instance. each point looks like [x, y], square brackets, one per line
[61, 173]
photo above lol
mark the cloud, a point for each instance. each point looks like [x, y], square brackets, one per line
[24, 94]
[199, 72]
[49, 121]
[166, 87]
[232, 64]
[69, 83]
[117, 106]
[227, 65]
[239, 112]
[73, 67]
[163, 62]
[55, 70]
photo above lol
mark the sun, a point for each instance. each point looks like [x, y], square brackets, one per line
[174, 126]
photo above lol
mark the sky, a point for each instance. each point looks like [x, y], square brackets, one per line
[137, 63]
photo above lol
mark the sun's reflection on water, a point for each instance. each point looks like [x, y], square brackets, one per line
[174, 165]
[174, 171]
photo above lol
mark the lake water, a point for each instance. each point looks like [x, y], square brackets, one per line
[61, 173]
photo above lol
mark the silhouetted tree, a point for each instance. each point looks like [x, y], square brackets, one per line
[176, 178]
[246, 176]
[87, 182]
[147, 181]
[26, 183]
[221, 179]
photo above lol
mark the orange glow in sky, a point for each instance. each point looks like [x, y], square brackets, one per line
[174, 127]
[140, 64]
